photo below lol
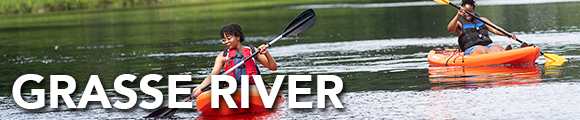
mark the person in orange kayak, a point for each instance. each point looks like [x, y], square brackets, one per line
[473, 34]
[233, 36]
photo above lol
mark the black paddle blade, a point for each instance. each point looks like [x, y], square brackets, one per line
[301, 23]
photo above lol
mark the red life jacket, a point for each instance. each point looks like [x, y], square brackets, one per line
[249, 68]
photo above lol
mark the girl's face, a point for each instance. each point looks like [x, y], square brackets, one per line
[231, 41]
[470, 9]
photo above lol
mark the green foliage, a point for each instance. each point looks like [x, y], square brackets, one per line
[40, 6]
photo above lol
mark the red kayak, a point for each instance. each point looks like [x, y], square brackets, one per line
[204, 103]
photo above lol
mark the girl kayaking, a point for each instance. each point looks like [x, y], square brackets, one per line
[473, 34]
[233, 36]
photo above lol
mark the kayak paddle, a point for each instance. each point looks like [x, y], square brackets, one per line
[301, 23]
[553, 59]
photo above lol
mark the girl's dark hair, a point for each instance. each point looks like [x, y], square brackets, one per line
[232, 29]
[470, 2]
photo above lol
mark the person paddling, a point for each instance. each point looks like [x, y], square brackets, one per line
[473, 34]
[233, 36]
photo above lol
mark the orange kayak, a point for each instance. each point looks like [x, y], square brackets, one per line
[204, 103]
[451, 57]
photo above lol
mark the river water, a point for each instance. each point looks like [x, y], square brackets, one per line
[379, 50]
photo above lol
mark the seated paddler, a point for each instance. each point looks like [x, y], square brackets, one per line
[232, 37]
[473, 33]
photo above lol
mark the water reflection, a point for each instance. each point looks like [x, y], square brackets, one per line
[553, 71]
[484, 76]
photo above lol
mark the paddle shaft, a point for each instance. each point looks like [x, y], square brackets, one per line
[238, 65]
[256, 53]
[493, 26]
[251, 56]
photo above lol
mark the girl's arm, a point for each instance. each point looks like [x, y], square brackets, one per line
[266, 59]
[454, 25]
